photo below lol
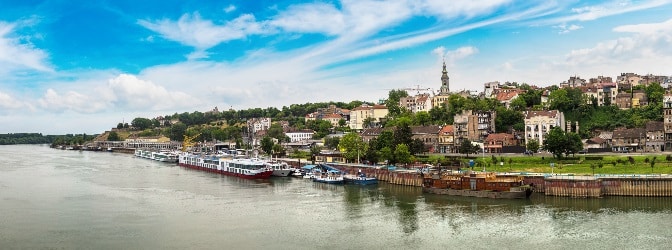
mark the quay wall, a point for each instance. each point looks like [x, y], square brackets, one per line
[598, 186]
[637, 186]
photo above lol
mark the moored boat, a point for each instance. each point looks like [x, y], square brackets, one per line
[247, 168]
[485, 185]
[360, 179]
[280, 169]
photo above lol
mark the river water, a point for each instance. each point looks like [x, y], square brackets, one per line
[97, 200]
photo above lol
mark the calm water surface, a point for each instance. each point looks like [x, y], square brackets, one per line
[96, 200]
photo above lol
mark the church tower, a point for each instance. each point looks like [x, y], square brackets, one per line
[445, 81]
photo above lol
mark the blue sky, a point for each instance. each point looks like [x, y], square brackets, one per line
[84, 66]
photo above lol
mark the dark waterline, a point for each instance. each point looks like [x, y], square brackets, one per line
[96, 200]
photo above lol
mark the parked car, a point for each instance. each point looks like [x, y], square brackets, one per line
[528, 152]
[583, 151]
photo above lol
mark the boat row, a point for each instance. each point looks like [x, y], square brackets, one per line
[162, 156]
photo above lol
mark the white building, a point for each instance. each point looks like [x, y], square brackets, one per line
[539, 123]
[255, 125]
[300, 135]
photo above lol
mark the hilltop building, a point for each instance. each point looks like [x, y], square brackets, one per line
[367, 116]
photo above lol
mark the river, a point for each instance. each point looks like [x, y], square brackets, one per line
[98, 200]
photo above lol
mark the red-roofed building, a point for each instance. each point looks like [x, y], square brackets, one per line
[505, 96]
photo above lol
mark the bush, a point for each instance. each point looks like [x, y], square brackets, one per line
[594, 158]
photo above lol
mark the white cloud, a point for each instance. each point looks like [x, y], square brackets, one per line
[616, 7]
[649, 42]
[564, 28]
[8, 103]
[647, 28]
[15, 55]
[193, 31]
[311, 18]
[132, 93]
[70, 101]
[451, 9]
[454, 55]
[230, 8]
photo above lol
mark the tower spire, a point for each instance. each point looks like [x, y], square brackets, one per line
[445, 80]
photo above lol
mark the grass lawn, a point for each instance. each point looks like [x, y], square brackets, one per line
[580, 165]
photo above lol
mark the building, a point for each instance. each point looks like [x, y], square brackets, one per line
[539, 123]
[490, 89]
[329, 114]
[368, 134]
[655, 137]
[629, 140]
[446, 140]
[639, 98]
[334, 119]
[506, 96]
[429, 135]
[465, 127]
[255, 125]
[667, 120]
[624, 100]
[495, 142]
[359, 115]
[416, 103]
[300, 135]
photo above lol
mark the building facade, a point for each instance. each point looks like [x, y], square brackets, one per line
[539, 123]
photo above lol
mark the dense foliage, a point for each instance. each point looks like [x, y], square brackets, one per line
[38, 138]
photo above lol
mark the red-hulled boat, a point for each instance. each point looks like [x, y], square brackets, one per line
[238, 167]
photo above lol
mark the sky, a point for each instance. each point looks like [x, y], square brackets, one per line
[83, 66]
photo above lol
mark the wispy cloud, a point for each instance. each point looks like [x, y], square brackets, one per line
[17, 54]
[616, 7]
[454, 55]
[230, 8]
[201, 34]
[564, 28]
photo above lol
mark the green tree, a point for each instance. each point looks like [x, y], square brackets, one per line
[466, 147]
[392, 102]
[558, 143]
[532, 145]
[331, 142]
[342, 123]
[276, 131]
[141, 123]
[177, 131]
[267, 144]
[518, 104]
[423, 118]
[120, 125]
[386, 154]
[402, 133]
[402, 154]
[352, 146]
[278, 150]
[113, 136]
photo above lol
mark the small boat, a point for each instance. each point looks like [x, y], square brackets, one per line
[360, 179]
[280, 169]
[330, 178]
